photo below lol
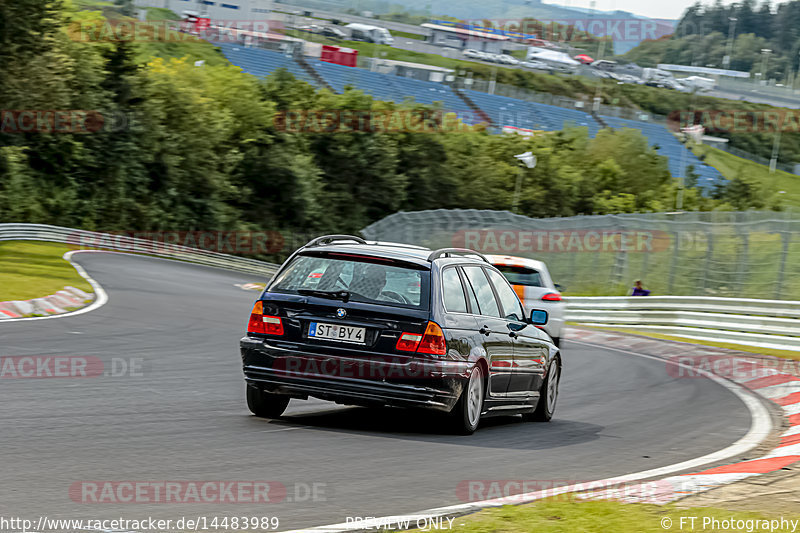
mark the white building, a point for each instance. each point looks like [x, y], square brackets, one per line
[462, 38]
[228, 10]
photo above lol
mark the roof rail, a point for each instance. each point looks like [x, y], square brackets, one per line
[327, 239]
[448, 252]
[398, 245]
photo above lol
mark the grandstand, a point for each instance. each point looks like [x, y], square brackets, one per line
[502, 110]
[259, 62]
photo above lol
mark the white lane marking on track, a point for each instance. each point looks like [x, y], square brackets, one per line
[783, 451]
[760, 428]
[757, 373]
[794, 430]
[101, 298]
[776, 392]
[792, 409]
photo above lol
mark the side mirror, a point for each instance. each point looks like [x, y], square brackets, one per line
[538, 317]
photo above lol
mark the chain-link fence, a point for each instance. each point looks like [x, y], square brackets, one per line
[748, 254]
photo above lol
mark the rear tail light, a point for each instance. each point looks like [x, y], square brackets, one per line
[408, 342]
[552, 297]
[431, 342]
[261, 323]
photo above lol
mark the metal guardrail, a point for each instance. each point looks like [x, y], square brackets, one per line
[88, 240]
[762, 323]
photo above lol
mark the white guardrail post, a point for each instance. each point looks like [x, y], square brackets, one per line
[773, 324]
[87, 240]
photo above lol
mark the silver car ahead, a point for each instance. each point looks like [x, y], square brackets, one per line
[532, 282]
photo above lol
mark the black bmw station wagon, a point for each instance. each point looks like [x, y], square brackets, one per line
[385, 324]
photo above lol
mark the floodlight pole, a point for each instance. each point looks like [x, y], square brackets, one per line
[529, 160]
[726, 61]
[518, 189]
[776, 148]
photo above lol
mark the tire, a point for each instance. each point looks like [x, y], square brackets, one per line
[264, 404]
[466, 415]
[546, 406]
[557, 341]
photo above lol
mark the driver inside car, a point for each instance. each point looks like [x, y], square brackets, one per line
[370, 283]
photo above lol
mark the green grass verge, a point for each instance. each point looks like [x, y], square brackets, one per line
[732, 166]
[786, 354]
[35, 269]
[407, 35]
[161, 13]
[604, 516]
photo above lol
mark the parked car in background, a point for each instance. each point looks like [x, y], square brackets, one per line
[369, 34]
[629, 78]
[333, 33]
[603, 64]
[472, 53]
[532, 282]
[310, 28]
[536, 65]
[507, 59]
[698, 83]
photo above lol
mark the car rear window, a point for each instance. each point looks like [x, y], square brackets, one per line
[518, 275]
[369, 280]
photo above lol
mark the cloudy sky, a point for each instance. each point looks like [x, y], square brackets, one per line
[669, 9]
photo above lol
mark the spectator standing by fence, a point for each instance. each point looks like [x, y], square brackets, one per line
[638, 289]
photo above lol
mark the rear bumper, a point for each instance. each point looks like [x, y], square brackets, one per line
[355, 379]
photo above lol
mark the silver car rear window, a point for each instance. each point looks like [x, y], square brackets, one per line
[517, 275]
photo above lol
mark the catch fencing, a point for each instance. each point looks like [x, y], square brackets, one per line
[715, 254]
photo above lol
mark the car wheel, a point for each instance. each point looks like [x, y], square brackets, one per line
[548, 397]
[264, 404]
[557, 341]
[467, 412]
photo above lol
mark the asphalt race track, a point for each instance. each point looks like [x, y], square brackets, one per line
[184, 417]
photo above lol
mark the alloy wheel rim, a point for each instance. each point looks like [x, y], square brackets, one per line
[474, 397]
[552, 388]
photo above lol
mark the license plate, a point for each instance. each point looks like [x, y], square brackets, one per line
[337, 332]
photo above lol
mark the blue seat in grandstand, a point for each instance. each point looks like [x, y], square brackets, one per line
[260, 62]
[506, 111]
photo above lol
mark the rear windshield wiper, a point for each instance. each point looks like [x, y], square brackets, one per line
[333, 295]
